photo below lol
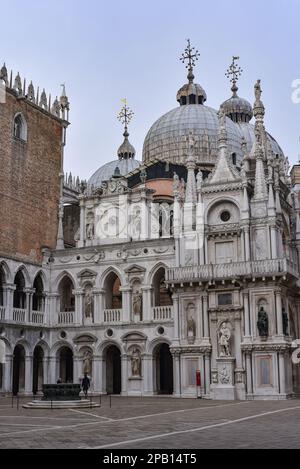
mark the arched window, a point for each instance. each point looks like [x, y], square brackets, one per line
[38, 296]
[20, 128]
[19, 293]
[113, 295]
[233, 156]
[67, 298]
[162, 296]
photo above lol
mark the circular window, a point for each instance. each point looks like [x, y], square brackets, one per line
[225, 215]
[63, 334]
[109, 332]
[160, 330]
[78, 258]
[145, 250]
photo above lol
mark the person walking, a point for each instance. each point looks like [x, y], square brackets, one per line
[85, 384]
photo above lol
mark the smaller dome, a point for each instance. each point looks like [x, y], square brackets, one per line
[238, 109]
[120, 167]
[191, 93]
[126, 150]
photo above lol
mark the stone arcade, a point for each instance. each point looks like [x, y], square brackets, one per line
[150, 270]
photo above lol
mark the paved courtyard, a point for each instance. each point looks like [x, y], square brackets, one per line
[160, 422]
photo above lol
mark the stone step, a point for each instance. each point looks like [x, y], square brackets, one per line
[39, 404]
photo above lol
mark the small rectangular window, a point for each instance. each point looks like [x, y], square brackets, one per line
[224, 299]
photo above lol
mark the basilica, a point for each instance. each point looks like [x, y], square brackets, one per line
[172, 272]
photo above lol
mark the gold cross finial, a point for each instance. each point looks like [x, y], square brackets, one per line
[125, 115]
[233, 73]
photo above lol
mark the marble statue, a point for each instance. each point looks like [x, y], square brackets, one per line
[136, 362]
[224, 340]
[137, 304]
[262, 323]
[87, 362]
[88, 302]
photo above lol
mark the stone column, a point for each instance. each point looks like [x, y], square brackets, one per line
[243, 245]
[205, 316]
[147, 374]
[279, 313]
[97, 374]
[28, 374]
[246, 314]
[54, 308]
[81, 241]
[46, 370]
[176, 374]
[273, 242]
[46, 312]
[98, 305]
[126, 304]
[79, 294]
[249, 384]
[9, 289]
[77, 369]
[175, 298]
[53, 368]
[247, 243]
[147, 308]
[124, 374]
[29, 294]
[8, 373]
[281, 372]
[207, 374]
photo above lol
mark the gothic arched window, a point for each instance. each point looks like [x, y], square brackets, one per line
[20, 127]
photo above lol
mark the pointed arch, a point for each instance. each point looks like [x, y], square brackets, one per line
[60, 276]
[6, 271]
[107, 272]
[22, 268]
[20, 127]
[161, 295]
[221, 200]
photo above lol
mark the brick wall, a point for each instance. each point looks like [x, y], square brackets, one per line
[29, 181]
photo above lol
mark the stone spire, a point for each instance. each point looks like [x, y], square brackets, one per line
[191, 192]
[223, 171]
[126, 150]
[64, 103]
[260, 188]
[3, 74]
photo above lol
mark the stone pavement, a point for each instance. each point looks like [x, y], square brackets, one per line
[154, 422]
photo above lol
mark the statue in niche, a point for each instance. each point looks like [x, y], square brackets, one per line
[262, 323]
[87, 363]
[90, 229]
[136, 362]
[176, 183]
[285, 322]
[224, 376]
[190, 321]
[137, 304]
[224, 340]
[199, 179]
[136, 224]
[88, 302]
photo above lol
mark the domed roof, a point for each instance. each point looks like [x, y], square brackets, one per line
[248, 132]
[167, 138]
[106, 171]
[126, 150]
[238, 109]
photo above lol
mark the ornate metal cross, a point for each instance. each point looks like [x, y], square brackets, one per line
[190, 54]
[234, 71]
[126, 114]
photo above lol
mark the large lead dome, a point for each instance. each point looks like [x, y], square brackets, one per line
[167, 138]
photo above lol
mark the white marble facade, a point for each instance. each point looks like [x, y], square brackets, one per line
[205, 277]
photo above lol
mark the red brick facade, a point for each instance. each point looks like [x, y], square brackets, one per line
[29, 180]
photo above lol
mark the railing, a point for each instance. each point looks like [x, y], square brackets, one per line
[161, 313]
[37, 317]
[19, 314]
[112, 315]
[66, 317]
[231, 270]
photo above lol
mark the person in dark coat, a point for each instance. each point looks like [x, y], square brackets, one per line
[85, 384]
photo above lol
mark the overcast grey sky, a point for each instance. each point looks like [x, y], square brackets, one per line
[105, 51]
